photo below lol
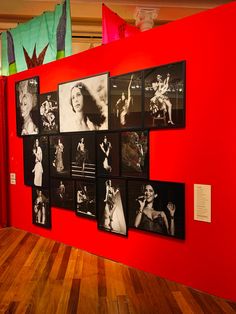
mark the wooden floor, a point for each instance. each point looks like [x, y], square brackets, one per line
[38, 275]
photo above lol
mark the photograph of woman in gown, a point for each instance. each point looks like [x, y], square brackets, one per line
[83, 104]
[83, 162]
[27, 107]
[108, 150]
[36, 161]
[134, 150]
[38, 167]
[157, 207]
[126, 101]
[41, 212]
[86, 199]
[165, 96]
[111, 206]
[60, 157]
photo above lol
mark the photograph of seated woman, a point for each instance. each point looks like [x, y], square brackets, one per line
[157, 207]
[27, 107]
[126, 101]
[41, 214]
[82, 106]
[86, 195]
[134, 146]
[111, 213]
[38, 167]
[48, 113]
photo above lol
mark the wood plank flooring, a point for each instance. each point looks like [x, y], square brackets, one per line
[38, 275]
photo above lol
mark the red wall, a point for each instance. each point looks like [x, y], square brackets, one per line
[203, 152]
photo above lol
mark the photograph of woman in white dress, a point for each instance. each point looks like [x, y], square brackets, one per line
[27, 107]
[111, 206]
[83, 104]
[36, 161]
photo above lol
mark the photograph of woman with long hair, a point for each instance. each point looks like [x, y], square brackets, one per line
[83, 104]
[41, 211]
[38, 167]
[60, 157]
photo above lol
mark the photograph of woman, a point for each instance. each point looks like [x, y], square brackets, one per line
[27, 106]
[49, 115]
[165, 96]
[108, 150]
[83, 163]
[134, 151]
[36, 161]
[83, 104]
[38, 167]
[126, 101]
[111, 206]
[60, 159]
[62, 193]
[41, 212]
[86, 199]
[157, 207]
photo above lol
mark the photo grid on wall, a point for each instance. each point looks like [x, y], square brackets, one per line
[86, 149]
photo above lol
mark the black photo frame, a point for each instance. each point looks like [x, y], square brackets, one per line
[134, 153]
[108, 152]
[83, 159]
[27, 106]
[111, 206]
[49, 113]
[60, 155]
[85, 191]
[157, 206]
[62, 193]
[41, 210]
[83, 104]
[36, 161]
[164, 96]
[125, 101]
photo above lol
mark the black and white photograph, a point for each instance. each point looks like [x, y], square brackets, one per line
[83, 164]
[157, 206]
[126, 101]
[62, 193]
[60, 155]
[108, 152]
[164, 88]
[27, 106]
[83, 104]
[134, 154]
[85, 198]
[41, 210]
[49, 113]
[36, 161]
[111, 205]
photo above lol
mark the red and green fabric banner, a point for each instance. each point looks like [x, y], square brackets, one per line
[114, 27]
[43, 39]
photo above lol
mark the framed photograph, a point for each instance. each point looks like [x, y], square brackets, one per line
[83, 163]
[164, 91]
[83, 104]
[60, 155]
[41, 210]
[108, 152]
[85, 198]
[111, 205]
[157, 206]
[126, 101]
[134, 154]
[63, 193]
[49, 113]
[36, 161]
[27, 106]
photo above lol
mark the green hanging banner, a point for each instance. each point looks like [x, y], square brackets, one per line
[41, 40]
